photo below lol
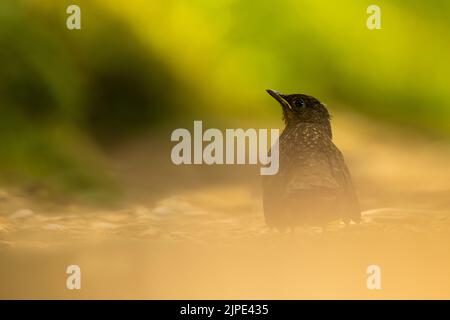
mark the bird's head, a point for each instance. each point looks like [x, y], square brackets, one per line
[301, 108]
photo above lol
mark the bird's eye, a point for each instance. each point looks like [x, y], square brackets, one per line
[299, 103]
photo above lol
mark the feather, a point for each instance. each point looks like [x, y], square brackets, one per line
[313, 185]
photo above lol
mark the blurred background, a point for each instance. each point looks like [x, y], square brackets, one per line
[86, 117]
[144, 66]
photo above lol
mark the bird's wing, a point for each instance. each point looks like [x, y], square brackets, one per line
[313, 162]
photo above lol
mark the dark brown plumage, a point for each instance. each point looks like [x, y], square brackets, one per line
[313, 185]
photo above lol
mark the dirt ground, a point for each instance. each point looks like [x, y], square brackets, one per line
[198, 232]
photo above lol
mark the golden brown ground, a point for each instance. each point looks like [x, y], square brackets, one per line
[194, 232]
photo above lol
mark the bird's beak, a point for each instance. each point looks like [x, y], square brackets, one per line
[279, 97]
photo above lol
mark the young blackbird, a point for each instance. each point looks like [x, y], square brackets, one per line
[313, 185]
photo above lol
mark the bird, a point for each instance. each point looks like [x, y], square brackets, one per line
[313, 185]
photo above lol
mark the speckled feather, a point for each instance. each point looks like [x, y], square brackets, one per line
[313, 185]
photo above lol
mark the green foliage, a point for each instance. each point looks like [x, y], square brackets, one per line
[138, 64]
[60, 90]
